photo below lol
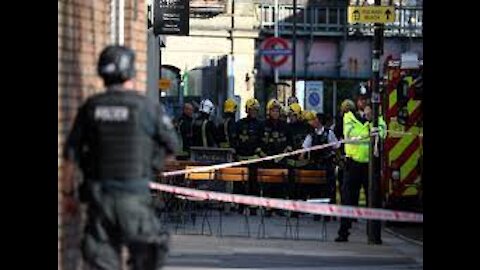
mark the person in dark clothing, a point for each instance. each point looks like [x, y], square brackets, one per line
[276, 139]
[329, 122]
[299, 130]
[227, 126]
[203, 129]
[116, 137]
[184, 129]
[225, 131]
[247, 133]
[246, 141]
[297, 126]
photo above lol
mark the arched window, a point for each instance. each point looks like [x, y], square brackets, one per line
[171, 73]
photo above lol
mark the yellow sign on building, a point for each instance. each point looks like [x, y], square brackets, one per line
[164, 84]
[371, 14]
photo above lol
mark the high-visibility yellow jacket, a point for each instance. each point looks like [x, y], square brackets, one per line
[353, 128]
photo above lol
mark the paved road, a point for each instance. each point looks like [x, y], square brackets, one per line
[192, 251]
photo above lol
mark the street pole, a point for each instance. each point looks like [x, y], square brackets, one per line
[153, 51]
[275, 69]
[334, 101]
[294, 48]
[374, 200]
[230, 59]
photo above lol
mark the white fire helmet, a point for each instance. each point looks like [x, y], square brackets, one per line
[207, 106]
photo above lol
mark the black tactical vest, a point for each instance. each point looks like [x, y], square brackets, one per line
[122, 128]
[319, 139]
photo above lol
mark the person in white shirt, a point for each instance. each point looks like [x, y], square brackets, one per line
[319, 129]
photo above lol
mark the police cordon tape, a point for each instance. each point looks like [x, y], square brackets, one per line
[278, 156]
[297, 206]
[244, 162]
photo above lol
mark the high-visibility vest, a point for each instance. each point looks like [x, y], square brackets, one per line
[360, 151]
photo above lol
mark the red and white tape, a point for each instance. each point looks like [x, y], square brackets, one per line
[244, 162]
[297, 206]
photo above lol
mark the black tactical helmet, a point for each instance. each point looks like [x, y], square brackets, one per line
[116, 64]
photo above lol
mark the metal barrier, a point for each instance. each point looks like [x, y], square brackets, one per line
[331, 21]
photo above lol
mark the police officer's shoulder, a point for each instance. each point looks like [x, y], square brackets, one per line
[97, 97]
[128, 94]
[92, 101]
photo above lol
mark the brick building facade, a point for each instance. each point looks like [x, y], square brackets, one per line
[84, 29]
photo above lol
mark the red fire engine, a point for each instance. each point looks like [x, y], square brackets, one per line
[403, 154]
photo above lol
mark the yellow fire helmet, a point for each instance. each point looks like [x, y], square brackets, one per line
[273, 103]
[309, 115]
[295, 108]
[252, 104]
[230, 106]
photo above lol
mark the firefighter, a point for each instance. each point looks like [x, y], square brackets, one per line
[184, 129]
[299, 130]
[276, 139]
[357, 162]
[291, 100]
[297, 126]
[225, 132]
[284, 113]
[247, 132]
[203, 129]
[321, 159]
[115, 134]
[246, 141]
[227, 126]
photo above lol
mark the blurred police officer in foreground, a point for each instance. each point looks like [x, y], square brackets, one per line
[115, 137]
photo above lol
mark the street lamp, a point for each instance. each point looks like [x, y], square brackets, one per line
[411, 22]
